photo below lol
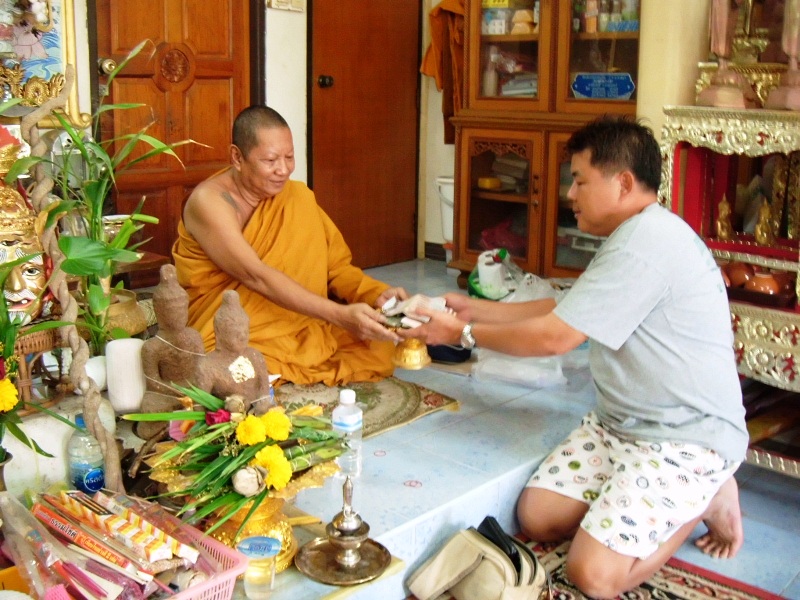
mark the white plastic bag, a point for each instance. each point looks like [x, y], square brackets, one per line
[534, 372]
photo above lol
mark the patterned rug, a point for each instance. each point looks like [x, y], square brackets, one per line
[676, 580]
[387, 404]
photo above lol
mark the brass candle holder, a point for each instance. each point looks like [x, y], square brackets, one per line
[346, 556]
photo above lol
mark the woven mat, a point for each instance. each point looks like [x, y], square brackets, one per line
[387, 404]
[676, 580]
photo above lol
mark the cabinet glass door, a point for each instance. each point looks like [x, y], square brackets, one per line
[501, 184]
[508, 47]
[568, 250]
[598, 69]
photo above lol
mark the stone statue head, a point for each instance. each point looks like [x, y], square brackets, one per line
[25, 288]
[231, 324]
[170, 300]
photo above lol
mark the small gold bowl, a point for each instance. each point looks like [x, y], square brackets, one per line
[411, 354]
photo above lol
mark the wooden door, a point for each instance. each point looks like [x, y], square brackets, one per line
[193, 83]
[364, 123]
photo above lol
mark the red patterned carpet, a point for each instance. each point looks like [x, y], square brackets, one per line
[676, 580]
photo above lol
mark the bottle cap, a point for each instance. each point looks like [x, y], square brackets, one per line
[347, 397]
[79, 421]
[259, 547]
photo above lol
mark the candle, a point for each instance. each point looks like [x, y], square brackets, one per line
[125, 375]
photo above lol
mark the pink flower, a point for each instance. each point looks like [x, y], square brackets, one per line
[2, 368]
[177, 431]
[218, 416]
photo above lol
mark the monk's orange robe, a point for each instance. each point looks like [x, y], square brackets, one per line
[293, 234]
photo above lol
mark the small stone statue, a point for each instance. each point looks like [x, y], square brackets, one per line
[171, 356]
[724, 227]
[233, 368]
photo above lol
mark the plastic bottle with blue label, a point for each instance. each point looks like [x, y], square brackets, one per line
[347, 419]
[259, 577]
[86, 464]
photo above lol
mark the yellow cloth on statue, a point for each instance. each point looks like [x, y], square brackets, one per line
[293, 234]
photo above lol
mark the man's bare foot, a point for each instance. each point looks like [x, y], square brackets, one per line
[724, 521]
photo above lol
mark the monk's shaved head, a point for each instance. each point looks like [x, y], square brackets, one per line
[250, 121]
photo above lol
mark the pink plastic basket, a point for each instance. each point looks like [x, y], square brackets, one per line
[219, 587]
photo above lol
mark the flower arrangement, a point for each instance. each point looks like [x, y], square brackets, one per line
[225, 459]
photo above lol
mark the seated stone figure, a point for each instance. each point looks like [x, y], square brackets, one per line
[233, 368]
[171, 356]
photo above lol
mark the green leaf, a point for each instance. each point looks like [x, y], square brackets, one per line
[194, 415]
[14, 430]
[203, 398]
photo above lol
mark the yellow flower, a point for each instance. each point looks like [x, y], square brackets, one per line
[279, 470]
[8, 395]
[251, 431]
[278, 425]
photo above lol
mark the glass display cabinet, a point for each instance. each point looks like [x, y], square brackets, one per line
[508, 63]
[734, 176]
[598, 71]
[529, 82]
[501, 177]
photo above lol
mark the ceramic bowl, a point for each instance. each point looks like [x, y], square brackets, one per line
[739, 273]
[764, 283]
[786, 280]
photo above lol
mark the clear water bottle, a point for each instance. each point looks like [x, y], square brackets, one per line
[348, 419]
[259, 577]
[86, 472]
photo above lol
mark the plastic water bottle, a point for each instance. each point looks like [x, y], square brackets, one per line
[348, 419]
[86, 472]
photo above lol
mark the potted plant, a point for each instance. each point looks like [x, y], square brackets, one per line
[92, 256]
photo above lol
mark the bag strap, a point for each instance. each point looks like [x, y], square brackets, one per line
[446, 568]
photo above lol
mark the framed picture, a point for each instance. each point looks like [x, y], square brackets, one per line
[40, 51]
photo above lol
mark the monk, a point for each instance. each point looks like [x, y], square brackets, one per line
[313, 314]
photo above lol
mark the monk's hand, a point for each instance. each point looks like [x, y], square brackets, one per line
[441, 328]
[366, 323]
[393, 292]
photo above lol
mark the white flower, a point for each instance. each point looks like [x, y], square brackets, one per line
[249, 481]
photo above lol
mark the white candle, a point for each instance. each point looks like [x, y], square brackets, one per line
[125, 377]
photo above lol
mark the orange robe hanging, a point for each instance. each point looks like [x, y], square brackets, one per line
[293, 234]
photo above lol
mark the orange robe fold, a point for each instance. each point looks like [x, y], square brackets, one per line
[292, 234]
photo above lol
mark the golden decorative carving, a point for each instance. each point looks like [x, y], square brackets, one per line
[763, 77]
[499, 148]
[767, 345]
[725, 131]
[33, 92]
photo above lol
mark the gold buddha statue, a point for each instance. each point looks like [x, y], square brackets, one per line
[25, 288]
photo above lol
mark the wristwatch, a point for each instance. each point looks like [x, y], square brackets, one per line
[467, 339]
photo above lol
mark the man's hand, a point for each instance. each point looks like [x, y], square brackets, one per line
[365, 323]
[393, 292]
[441, 328]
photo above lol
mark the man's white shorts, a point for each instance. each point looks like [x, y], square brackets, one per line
[639, 492]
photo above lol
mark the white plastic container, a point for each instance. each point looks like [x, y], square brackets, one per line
[348, 420]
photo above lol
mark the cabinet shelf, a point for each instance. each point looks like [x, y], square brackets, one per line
[500, 196]
[606, 35]
[509, 37]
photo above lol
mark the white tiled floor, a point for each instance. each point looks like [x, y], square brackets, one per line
[448, 470]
